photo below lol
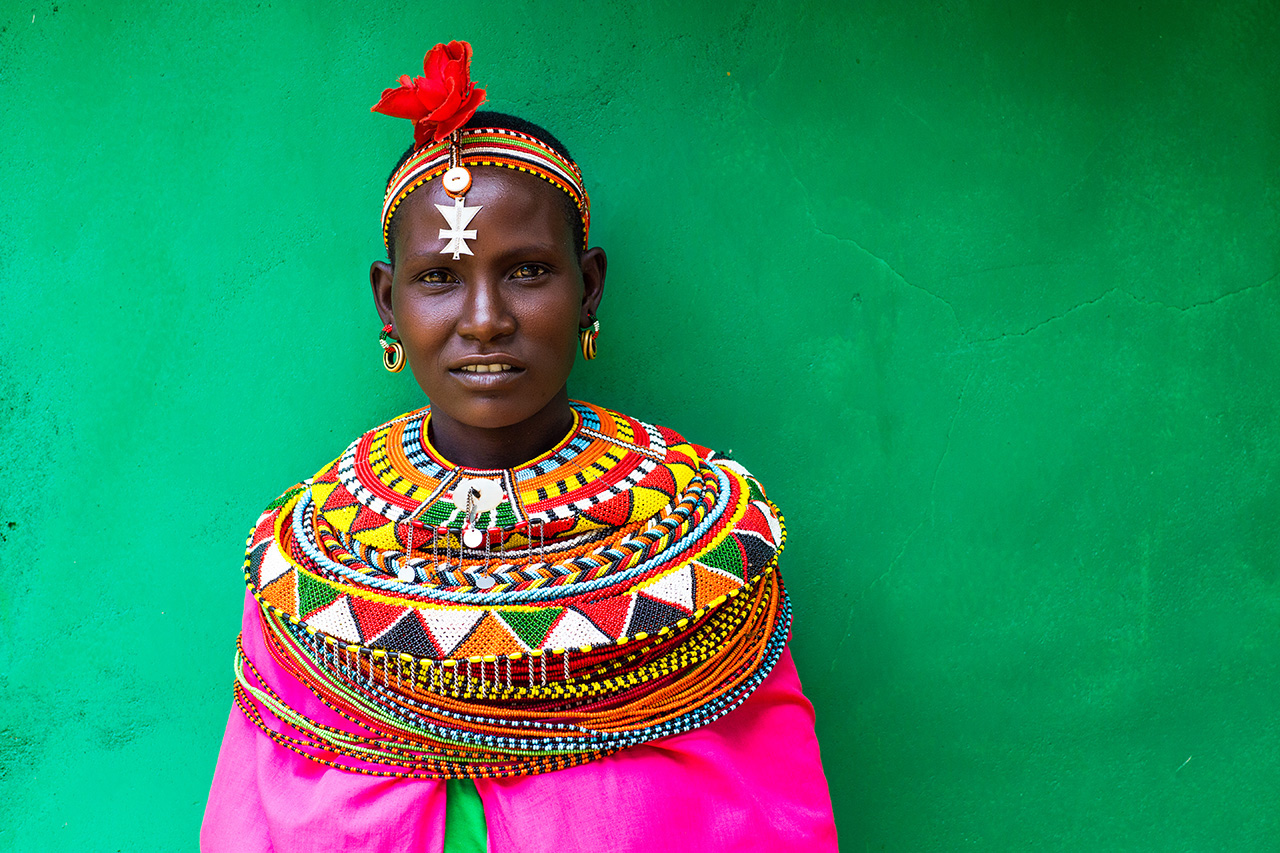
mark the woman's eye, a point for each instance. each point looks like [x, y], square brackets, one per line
[529, 271]
[438, 277]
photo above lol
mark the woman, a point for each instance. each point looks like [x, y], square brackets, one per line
[576, 610]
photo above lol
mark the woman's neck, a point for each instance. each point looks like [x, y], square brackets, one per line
[501, 447]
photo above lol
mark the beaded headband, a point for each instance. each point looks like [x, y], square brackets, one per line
[439, 104]
[487, 146]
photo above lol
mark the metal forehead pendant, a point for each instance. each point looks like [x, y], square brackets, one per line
[456, 182]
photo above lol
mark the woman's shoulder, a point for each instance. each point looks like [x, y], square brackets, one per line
[650, 453]
[632, 432]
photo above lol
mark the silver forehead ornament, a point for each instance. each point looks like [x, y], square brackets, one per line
[456, 181]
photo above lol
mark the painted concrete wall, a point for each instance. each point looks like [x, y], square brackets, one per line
[986, 293]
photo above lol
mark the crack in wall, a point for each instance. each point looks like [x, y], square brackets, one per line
[915, 116]
[930, 516]
[1055, 318]
[813, 221]
[1086, 172]
[946, 447]
[1118, 289]
[1211, 301]
[882, 262]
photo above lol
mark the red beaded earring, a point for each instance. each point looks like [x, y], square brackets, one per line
[392, 351]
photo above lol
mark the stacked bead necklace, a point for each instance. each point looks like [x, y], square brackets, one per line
[621, 588]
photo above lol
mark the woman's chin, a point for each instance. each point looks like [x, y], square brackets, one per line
[481, 411]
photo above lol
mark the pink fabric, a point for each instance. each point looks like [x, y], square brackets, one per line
[750, 781]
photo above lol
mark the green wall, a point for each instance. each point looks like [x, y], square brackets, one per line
[986, 293]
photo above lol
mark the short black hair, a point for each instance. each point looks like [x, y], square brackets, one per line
[486, 118]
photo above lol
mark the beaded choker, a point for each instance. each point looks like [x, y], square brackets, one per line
[620, 588]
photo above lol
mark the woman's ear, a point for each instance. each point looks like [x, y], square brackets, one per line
[593, 263]
[380, 274]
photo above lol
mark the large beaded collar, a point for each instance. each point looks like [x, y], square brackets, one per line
[623, 561]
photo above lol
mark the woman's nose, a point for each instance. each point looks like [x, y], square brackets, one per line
[485, 315]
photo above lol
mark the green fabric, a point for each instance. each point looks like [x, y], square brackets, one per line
[464, 828]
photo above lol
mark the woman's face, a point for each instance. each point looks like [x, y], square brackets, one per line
[490, 337]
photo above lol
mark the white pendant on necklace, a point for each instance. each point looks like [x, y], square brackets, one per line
[458, 216]
[484, 494]
[478, 495]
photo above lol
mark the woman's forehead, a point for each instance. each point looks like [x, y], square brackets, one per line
[507, 200]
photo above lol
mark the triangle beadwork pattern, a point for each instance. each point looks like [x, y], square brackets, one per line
[491, 636]
[265, 528]
[755, 521]
[408, 635]
[660, 479]
[337, 621]
[610, 615]
[272, 565]
[531, 626]
[340, 519]
[255, 563]
[726, 556]
[366, 519]
[374, 617]
[337, 497]
[382, 537]
[614, 512]
[756, 551]
[647, 502]
[675, 588]
[282, 593]
[312, 594]
[573, 630]
[449, 627]
[649, 615]
[322, 492]
[709, 584]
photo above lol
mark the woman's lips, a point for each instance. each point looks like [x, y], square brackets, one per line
[484, 362]
[501, 367]
[486, 375]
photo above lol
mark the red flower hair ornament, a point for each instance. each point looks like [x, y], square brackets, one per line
[440, 101]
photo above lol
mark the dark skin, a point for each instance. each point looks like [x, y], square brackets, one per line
[491, 337]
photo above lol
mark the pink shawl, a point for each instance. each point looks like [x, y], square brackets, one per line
[751, 780]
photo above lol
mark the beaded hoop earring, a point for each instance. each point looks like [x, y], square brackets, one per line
[588, 338]
[392, 352]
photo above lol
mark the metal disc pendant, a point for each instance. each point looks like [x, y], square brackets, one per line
[487, 493]
[405, 573]
[456, 181]
[472, 538]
